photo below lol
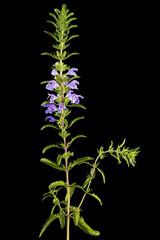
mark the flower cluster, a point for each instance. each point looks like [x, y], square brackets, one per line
[57, 103]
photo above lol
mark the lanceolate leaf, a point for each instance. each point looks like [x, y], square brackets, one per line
[81, 161]
[62, 218]
[50, 146]
[75, 120]
[57, 184]
[49, 126]
[70, 55]
[102, 173]
[76, 217]
[73, 139]
[52, 164]
[47, 223]
[86, 228]
[95, 196]
[77, 105]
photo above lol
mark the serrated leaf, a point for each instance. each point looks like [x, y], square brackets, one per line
[88, 179]
[62, 219]
[52, 35]
[86, 228]
[76, 215]
[57, 184]
[95, 196]
[102, 173]
[59, 158]
[80, 161]
[49, 147]
[47, 223]
[75, 120]
[52, 164]
[49, 126]
[70, 55]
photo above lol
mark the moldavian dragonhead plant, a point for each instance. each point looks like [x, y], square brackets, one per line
[62, 96]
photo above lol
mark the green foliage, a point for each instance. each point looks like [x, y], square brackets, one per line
[123, 153]
[75, 120]
[102, 173]
[76, 215]
[62, 219]
[62, 21]
[56, 184]
[49, 126]
[52, 164]
[80, 161]
[95, 196]
[47, 223]
[73, 139]
[86, 228]
[50, 146]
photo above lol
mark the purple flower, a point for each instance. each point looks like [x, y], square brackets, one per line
[61, 107]
[71, 72]
[51, 119]
[52, 97]
[74, 97]
[73, 84]
[54, 72]
[52, 85]
[50, 108]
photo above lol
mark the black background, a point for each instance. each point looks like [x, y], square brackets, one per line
[116, 69]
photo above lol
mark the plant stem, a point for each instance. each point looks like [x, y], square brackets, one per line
[92, 174]
[66, 160]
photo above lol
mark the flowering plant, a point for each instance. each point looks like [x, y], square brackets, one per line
[62, 96]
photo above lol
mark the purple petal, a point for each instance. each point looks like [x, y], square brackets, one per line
[51, 119]
[54, 72]
[52, 85]
[71, 72]
[73, 84]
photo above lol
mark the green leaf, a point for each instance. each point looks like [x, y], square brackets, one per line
[53, 23]
[80, 161]
[72, 26]
[86, 228]
[95, 196]
[48, 54]
[62, 219]
[75, 120]
[49, 126]
[59, 159]
[76, 215]
[50, 146]
[77, 105]
[57, 184]
[88, 179]
[102, 173]
[52, 35]
[73, 139]
[47, 223]
[54, 16]
[52, 164]
[70, 55]
[44, 82]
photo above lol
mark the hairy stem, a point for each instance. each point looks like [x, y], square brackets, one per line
[92, 174]
[66, 160]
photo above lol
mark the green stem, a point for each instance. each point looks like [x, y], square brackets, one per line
[92, 174]
[66, 160]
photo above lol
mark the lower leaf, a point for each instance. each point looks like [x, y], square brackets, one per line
[86, 228]
[47, 223]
